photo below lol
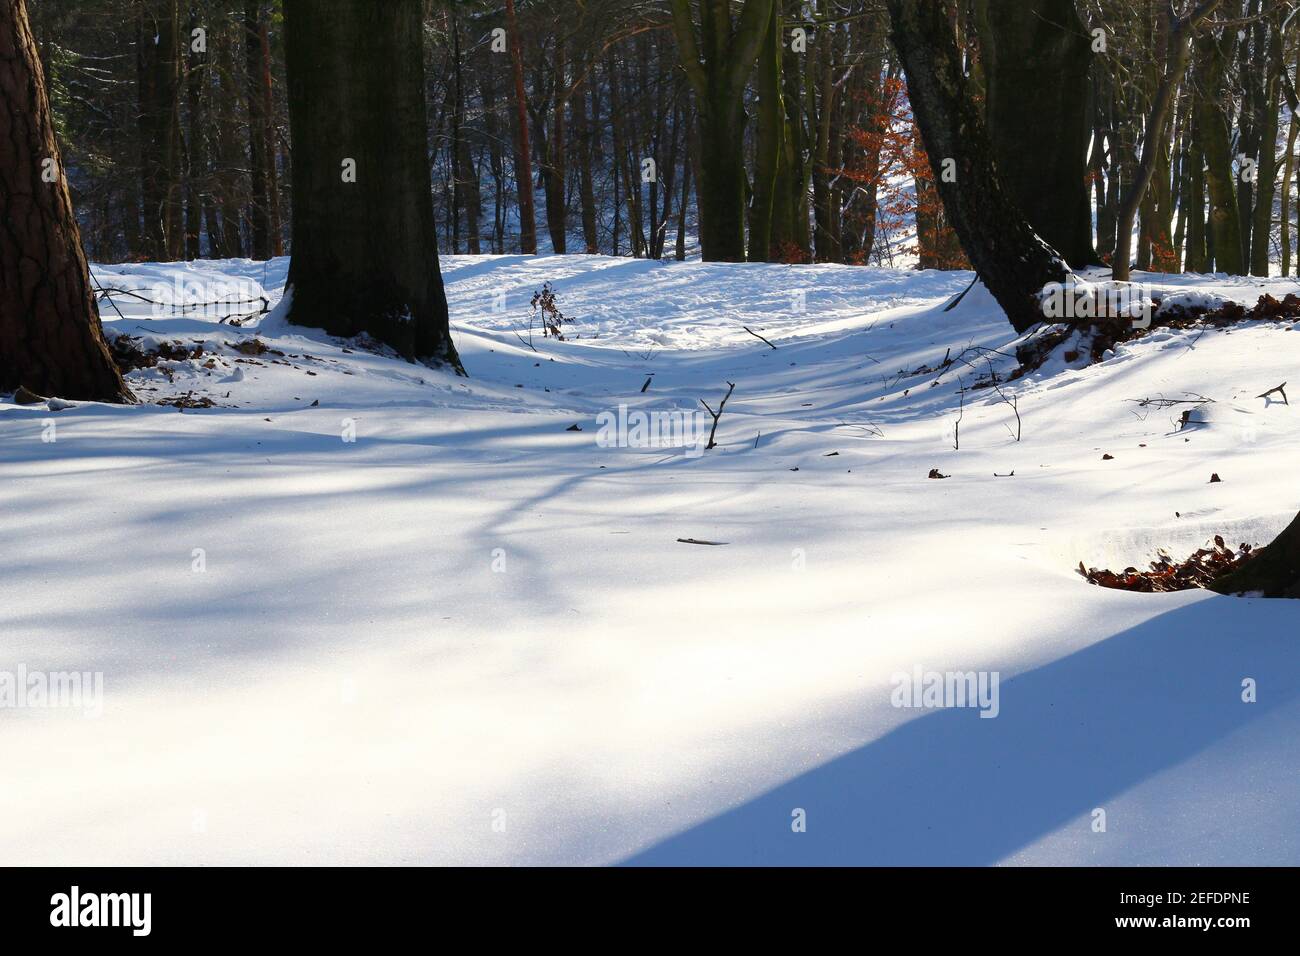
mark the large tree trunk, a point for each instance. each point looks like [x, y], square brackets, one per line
[1036, 55]
[769, 148]
[50, 337]
[1274, 571]
[1013, 262]
[718, 64]
[364, 256]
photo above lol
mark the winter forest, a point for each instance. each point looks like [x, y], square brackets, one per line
[650, 432]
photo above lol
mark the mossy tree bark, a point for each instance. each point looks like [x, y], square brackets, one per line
[364, 253]
[51, 341]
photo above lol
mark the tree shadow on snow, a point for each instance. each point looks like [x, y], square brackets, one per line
[950, 788]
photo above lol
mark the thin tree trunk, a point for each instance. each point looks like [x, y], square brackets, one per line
[1176, 56]
[523, 148]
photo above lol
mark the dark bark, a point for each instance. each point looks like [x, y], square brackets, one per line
[365, 258]
[1013, 262]
[51, 341]
[718, 63]
[158, 78]
[468, 198]
[523, 148]
[1212, 127]
[1036, 55]
[586, 183]
[259, 206]
[1273, 572]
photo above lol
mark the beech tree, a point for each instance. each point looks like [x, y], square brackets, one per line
[718, 64]
[51, 341]
[1035, 56]
[364, 253]
[1011, 259]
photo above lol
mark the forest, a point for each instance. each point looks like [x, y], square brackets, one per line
[695, 405]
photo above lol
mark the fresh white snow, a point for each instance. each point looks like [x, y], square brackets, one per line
[471, 635]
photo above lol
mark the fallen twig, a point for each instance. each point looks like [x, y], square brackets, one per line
[1280, 389]
[756, 335]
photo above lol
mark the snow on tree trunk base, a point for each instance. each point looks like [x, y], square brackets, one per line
[1273, 572]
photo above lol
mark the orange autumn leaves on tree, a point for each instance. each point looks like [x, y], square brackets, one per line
[890, 157]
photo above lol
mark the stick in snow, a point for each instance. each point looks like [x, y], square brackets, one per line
[957, 301]
[694, 541]
[756, 335]
[1280, 389]
[716, 415]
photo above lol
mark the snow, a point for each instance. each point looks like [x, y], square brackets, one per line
[472, 636]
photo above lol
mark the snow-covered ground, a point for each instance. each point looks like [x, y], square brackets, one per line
[471, 635]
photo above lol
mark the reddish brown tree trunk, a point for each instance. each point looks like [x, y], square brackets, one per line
[50, 337]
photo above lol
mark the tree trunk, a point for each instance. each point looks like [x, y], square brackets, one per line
[259, 205]
[554, 167]
[1225, 214]
[769, 144]
[51, 341]
[273, 224]
[718, 64]
[1261, 230]
[230, 154]
[1036, 55]
[586, 184]
[1013, 262]
[523, 148]
[1273, 572]
[365, 258]
[158, 77]
[1178, 32]
[1197, 259]
[468, 196]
